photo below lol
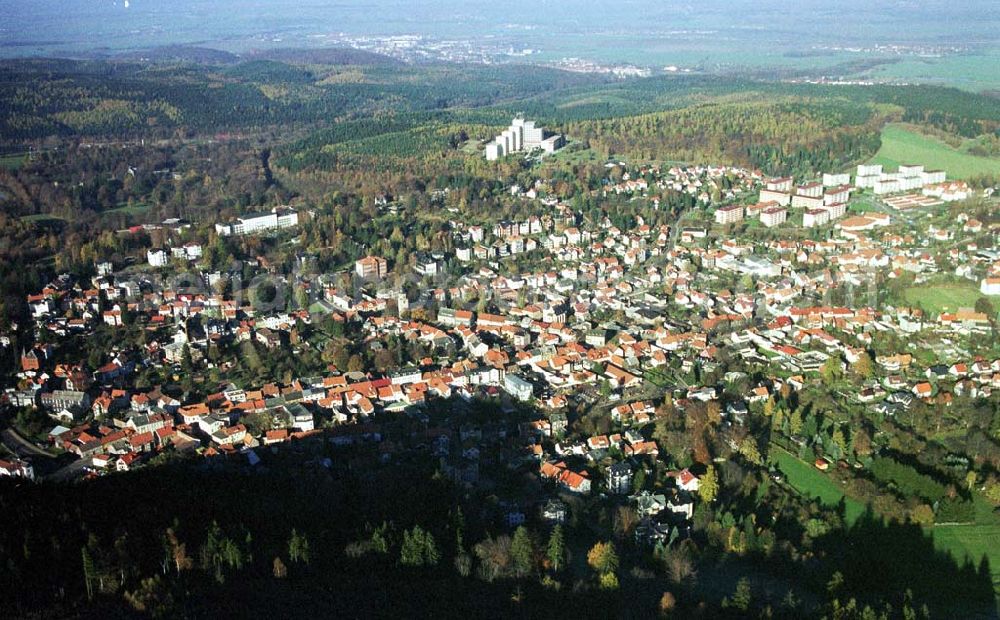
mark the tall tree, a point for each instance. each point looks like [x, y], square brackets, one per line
[522, 552]
[603, 558]
[88, 572]
[556, 549]
[708, 488]
[298, 548]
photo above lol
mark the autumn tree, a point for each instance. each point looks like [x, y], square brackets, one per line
[278, 568]
[152, 597]
[863, 366]
[708, 488]
[831, 371]
[667, 603]
[748, 448]
[603, 558]
[625, 521]
[177, 551]
[861, 442]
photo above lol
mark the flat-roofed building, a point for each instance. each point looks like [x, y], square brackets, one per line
[522, 136]
[278, 218]
[815, 217]
[729, 215]
[832, 180]
[371, 267]
[838, 194]
[780, 197]
[773, 216]
[813, 190]
[779, 184]
[807, 202]
[869, 170]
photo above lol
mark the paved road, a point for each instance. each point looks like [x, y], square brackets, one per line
[71, 471]
[17, 444]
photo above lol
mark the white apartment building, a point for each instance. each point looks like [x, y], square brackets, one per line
[833, 180]
[729, 215]
[781, 197]
[522, 136]
[773, 216]
[815, 217]
[157, 257]
[278, 218]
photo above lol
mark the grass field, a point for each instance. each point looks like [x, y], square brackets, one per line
[40, 218]
[964, 542]
[939, 298]
[13, 162]
[973, 541]
[901, 145]
[974, 71]
[811, 482]
[124, 209]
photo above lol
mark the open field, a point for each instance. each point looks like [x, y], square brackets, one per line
[12, 162]
[125, 209]
[973, 71]
[964, 542]
[813, 483]
[938, 298]
[971, 542]
[901, 145]
[41, 218]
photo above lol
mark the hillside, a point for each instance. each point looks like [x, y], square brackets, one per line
[902, 144]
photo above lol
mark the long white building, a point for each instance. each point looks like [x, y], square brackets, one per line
[522, 136]
[278, 218]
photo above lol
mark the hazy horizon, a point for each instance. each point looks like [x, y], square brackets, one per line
[935, 40]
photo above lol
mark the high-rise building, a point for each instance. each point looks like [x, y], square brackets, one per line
[522, 136]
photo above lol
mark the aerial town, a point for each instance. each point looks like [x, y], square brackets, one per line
[618, 314]
[425, 322]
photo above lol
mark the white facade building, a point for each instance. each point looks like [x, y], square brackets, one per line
[278, 218]
[522, 136]
[157, 257]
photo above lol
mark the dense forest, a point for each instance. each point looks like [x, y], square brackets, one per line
[295, 534]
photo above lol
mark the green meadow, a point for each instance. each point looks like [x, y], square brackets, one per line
[943, 297]
[901, 145]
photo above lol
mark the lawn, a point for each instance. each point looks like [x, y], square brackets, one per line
[901, 145]
[13, 162]
[125, 209]
[41, 218]
[811, 482]
[967, 541]
[938, 298]
[971, 542]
